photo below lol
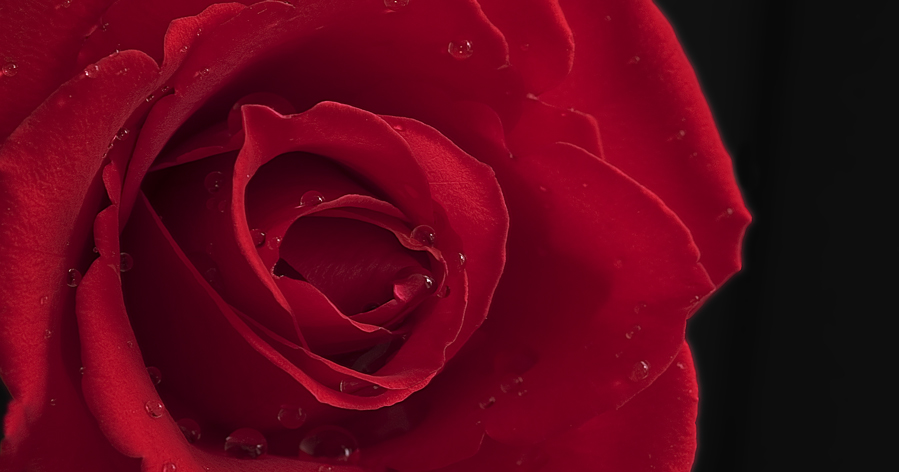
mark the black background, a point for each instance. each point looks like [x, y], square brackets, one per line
[792, 354]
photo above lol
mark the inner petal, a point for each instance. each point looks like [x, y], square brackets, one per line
[353, 263]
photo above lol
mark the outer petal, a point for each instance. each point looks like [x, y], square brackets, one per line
[540, 43]
[41, 40]
[49, 193]
[656, 430]
[630, 73]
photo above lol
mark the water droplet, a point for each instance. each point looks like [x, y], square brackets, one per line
[10, 69]
[640, 371]
[399, 127]
[154, 408]
[681, 366]
[246, 443]
[155, 375]
[461, 49]
[326, 468]
[462, 259]
[92, 71]
[396, 4]
[423, 235]
[524, 47]
[633, 332]
[184, 48]
[122, 134]
[258, 237]
[634, 60]
[511, 384]
[359, 388]
[73, 278]
[487, 404]
[730, 211]
[45, 299]
[190, 429]
[66, 4]
[311, 198]
[129, 343]
[331, 442]
[127, 262]
[150, 98]
[413, 287]
[165, 89]
[214, 181]
[202, 71]
[48, 334]
[291, 416]
[274, 243]
[104, 26]
[81, 370]
[169, 467]
[445, 292]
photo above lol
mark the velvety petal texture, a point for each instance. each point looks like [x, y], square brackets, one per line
[353, 236]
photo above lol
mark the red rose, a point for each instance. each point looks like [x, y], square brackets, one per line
[353, 235]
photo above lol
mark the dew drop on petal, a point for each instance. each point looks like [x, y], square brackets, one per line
[424, 235]
[396, 4]
[9, 69]
[122, 134]
[326, 468]
[311, 198]
[48, 334]
[154, 408]
[127, 262]
[73, 278]
[487, 403]
[258, 237]
[155, 375]
[462, 260]
[511, 384]
[92, 71]
[331, 442]
[52, 402]
[460, 49]
[246, 443]
[445, 292]
[633, 332]
[214, 181]
[190, 429]
[169, 467]
[81, 370]
[291, 416]
[413, 287]
[640, 371]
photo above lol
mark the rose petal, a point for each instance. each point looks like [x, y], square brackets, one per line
[476, 212]
[362, 34]
[632, 76]
[540, 43]
[655, 430]
[41, 40]
[625, 248]
[49, 192]
[142, 25]
[115, 384]
[542, 124]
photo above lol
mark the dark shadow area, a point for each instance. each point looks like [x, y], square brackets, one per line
[785, 351]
